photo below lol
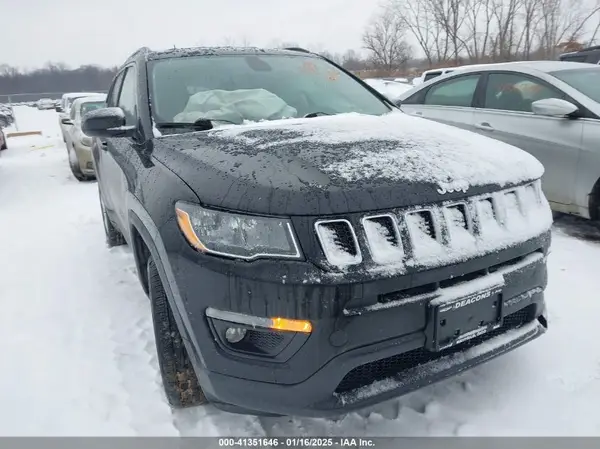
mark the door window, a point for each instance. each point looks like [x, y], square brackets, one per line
[516, 92]
[113, 94]
[454, 92]
[128, 97]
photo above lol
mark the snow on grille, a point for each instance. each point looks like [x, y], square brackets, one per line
[383, 238]
[460, 226]
[339, 242]
[441, 234]
[423, 234]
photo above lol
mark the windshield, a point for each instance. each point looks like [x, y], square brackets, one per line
[586, 81]
[70, 101]
[238, 88]
[90, 106]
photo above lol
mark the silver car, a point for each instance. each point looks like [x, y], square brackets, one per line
[64, 108]
[550, 109]
[79, 145]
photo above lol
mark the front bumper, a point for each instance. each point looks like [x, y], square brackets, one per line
[355, 356]
[85, 158]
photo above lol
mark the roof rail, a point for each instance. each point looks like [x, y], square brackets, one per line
[594, 47]
[303, 50]
[138, 51]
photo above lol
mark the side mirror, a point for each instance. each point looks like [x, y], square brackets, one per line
[58, 109]
[66, 121]
[553, 107]
[106, 122]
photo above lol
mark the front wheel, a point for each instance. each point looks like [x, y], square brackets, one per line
[74, 165]
[178, 376]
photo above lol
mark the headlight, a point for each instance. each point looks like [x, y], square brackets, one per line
[235, 235]
[85, 140]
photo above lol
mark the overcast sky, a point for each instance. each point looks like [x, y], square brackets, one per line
[105, 32]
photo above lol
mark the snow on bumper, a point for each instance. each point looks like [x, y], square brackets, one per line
[445, 366]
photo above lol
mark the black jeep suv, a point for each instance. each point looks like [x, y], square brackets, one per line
[307, 247]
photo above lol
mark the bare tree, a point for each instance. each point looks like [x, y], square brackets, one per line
[531, 19]
[351, 60]
[487, 30]
[418, 18]
[477, 34]
[563, 20]
[385, 41]
[506, 42]
[451, 16]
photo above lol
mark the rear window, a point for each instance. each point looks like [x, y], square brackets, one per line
[574, 58]
[87, 107]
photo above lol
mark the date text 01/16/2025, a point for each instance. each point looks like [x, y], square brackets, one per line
[300, 442]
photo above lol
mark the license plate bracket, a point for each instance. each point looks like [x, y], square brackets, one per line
[464, 318]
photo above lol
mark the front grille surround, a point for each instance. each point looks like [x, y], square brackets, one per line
[326, 233]
[371, 241]
[483, 216]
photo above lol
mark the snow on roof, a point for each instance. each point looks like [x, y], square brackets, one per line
[92, 99]
[79, 94]
[414, 149]
[216, 51]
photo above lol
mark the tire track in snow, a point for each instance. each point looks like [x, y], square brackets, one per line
[135, 354]
[57, 327]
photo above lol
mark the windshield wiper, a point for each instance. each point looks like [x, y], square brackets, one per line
[202, 124]
[315, 114]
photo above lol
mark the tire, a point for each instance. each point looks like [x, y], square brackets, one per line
[74, 165]
[3, 147]
[113, 235]
[178, 376]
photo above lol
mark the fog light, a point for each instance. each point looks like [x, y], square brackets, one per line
[235, 334]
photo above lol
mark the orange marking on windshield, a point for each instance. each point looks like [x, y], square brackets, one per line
[310, 67]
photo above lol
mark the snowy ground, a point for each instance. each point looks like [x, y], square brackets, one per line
[78, 352]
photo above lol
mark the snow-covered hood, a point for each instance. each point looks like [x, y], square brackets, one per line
[341, 164]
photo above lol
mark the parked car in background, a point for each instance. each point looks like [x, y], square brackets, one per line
[435, 73]
[590, 55]
[307, 248]
[78, 144]
[3, 144]
[64, 108]
[550, 109]
[430, 74]
[6, 116]
[45, 103]
[391, 89]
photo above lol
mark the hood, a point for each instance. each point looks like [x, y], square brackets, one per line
[341, 164]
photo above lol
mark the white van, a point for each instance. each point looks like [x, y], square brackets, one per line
[434, 73]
